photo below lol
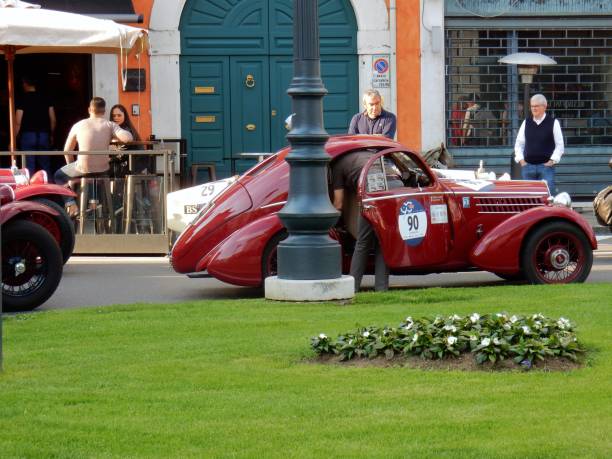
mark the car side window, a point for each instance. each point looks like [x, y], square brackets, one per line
[376, 180]
[411, 173]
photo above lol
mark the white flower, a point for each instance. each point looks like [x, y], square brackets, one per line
[496, 341]
[526, 330]
[537, 316]
[473, 338]
[455, 317]
[415, 338]
[451, 340]
[513, 319]
[507, 326]
[437, 320]
[451, 328]
[408, 326]
[366, 334]
[537, 325]
[563, 323]
[322, 336]
[485, 342]
[351, 341]
[474, 317]
[385, 332]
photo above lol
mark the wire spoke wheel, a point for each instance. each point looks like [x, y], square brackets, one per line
[31, 265]
[557, 253]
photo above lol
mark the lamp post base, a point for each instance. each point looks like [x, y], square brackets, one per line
[342, 288]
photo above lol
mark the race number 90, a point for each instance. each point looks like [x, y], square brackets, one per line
[412, 222]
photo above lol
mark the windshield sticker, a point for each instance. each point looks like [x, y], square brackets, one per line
[376, 181]
[466, 202]
[412, 222]
[477, 185]
[439, 213]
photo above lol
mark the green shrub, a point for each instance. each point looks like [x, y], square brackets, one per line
[490, 337]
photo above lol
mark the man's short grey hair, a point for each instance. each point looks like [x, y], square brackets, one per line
[371, 93]
[540, 100]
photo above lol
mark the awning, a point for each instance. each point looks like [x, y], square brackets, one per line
[116, 10]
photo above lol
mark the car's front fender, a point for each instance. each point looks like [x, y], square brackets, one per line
[46, 189]
[237, 260]
[500, 249]
[15, 208]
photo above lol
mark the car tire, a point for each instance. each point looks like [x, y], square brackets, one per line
[269, 258]
[26, 242]
[556, 253]
[66, 227]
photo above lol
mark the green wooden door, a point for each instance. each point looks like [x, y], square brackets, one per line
[236, 66]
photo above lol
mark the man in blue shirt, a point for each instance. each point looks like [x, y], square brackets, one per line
[374, 119]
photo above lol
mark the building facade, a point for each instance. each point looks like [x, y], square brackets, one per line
[217, 71]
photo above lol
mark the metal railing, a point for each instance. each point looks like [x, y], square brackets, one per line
[123, 210]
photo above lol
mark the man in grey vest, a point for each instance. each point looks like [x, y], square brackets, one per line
[539, 144]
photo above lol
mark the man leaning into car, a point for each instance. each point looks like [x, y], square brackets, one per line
[345, 175]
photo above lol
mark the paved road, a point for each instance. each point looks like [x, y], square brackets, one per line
[91, 281]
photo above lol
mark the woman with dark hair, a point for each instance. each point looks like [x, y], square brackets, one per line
[140, 164]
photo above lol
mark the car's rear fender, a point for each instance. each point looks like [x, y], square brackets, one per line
[237, 260]
[47, 190]
[23, 208]
[500, 249]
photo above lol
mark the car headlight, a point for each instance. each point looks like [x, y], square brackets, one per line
[562, 199]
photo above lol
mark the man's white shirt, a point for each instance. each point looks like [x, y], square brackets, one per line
[519, 145]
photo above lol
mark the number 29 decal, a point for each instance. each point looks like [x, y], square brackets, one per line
[412, 222]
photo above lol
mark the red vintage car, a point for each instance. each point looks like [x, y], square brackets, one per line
[31, 258]
[424, 222]
[37, 188]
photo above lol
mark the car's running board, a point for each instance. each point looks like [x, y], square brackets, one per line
[200, 275]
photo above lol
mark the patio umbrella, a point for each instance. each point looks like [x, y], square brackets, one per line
[29, 29]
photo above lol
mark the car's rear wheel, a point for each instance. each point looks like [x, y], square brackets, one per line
[269, 259]
[557, 253]
[66, 237]
[31, 265]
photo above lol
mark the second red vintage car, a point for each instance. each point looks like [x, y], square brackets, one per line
[425, 223]
[37, 188]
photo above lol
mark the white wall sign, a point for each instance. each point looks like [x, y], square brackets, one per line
[381, 71]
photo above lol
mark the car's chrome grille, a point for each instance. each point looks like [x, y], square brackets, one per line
[506, 205]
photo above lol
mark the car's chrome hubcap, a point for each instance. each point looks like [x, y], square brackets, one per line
[559, 258]
[20, 268]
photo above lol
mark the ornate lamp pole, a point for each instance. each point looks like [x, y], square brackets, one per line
[309, 261]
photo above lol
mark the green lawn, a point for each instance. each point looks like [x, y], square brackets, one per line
[230, 379]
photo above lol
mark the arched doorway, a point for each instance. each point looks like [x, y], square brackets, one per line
[236, 65]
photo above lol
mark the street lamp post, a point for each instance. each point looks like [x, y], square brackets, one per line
[528, 65]
[309, 261]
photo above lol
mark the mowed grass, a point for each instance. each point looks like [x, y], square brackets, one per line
[234, 379]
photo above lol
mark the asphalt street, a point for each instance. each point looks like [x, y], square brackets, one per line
[94, 281]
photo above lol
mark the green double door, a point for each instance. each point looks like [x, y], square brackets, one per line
[233, 103]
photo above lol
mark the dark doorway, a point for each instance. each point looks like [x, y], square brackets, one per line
[65, 78]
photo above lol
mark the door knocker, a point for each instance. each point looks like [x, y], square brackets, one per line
[250, 81]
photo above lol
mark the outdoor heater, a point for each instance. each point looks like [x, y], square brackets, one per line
[528, 65]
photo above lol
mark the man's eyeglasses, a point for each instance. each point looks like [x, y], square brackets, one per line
[534, 106]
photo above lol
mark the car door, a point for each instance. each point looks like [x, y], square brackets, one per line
[407, 207]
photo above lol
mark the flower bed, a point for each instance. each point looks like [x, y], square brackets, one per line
[490, 338]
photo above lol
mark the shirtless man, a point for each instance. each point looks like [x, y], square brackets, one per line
[92, 134]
